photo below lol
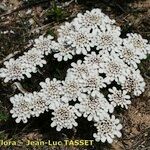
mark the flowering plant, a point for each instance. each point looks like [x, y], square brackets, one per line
[112, 66]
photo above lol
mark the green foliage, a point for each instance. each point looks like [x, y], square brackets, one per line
[50, 32]
[148, 57]
[3, 116]
[3, 135]
[55, 12]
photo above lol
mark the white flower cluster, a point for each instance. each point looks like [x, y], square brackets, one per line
[25, 106]
[93, 29]
[50, 97]
[15, 69]
[107, 77]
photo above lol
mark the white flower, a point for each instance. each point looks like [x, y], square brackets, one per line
[92, 82]
[95, 60]
[43, 44]
[81, 40]
[64, 116]
[63, 51]
[107, 129]
[51, 90]
[136, 42]
[80, 70]
[119, 97]
[129, 56]
[39, 104]
[71, 89]
[108, 39]
[22, 107]
[94, 106]
[32, 59]
[93, 19]
[134, 82]
[64, 31]
[13, 70]
[114, 68]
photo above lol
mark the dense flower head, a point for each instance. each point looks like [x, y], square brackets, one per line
[94, 106]
[33, 58]
[71, 89]
[63, 51]
[134, 82]
[13, 70]
[80, 70]
[64, 31]
[30, 61]
[92, 83]
[43, 44]
[94, 19]
[107, 129]
[108, 39]
[136, 42]
[22, 107]
[81, 40]
[119, 97]
[129, 56]
[39, 104]
[64, 116]
[114, 68]
[96, 60]
[51, 90]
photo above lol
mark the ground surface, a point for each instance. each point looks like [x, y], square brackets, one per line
[21, 21]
